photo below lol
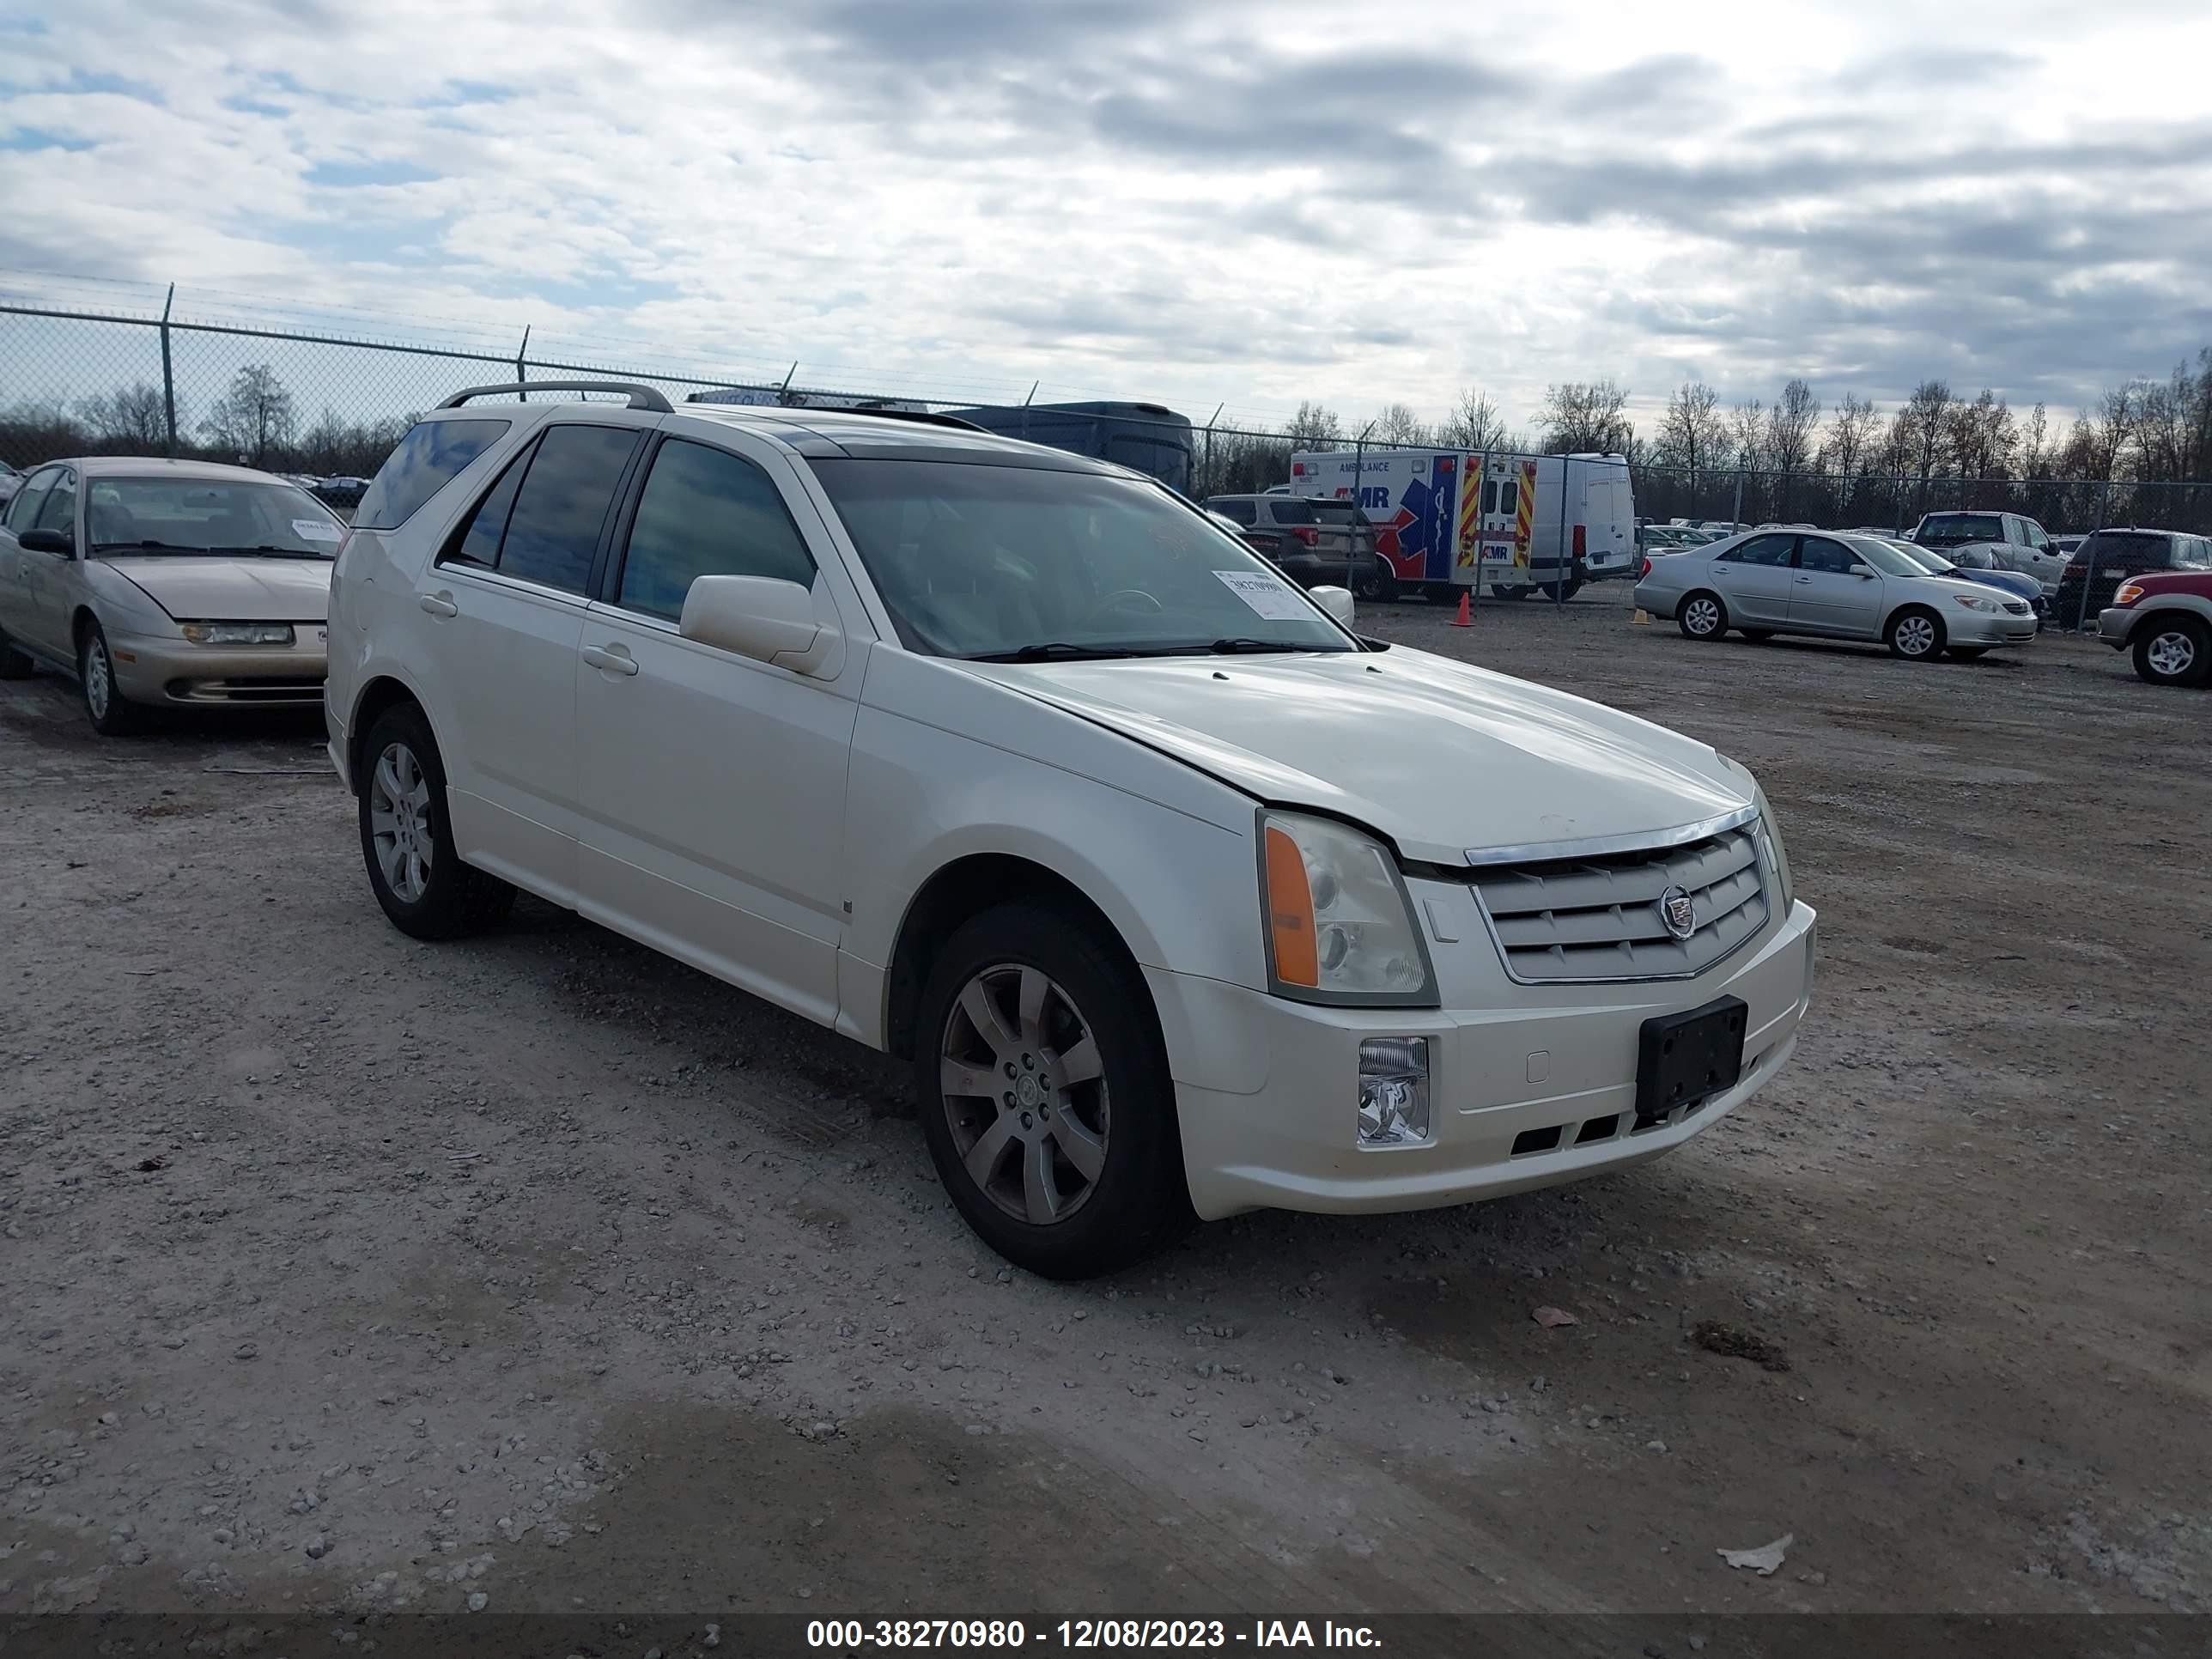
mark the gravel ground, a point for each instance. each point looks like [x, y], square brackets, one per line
[537, 1272]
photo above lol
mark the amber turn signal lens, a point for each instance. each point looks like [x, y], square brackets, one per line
[1291, 912]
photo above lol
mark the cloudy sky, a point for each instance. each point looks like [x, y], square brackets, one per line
[1199, 201]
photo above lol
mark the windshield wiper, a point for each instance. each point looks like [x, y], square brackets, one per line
[148, 547]
[1054, 651]
[1237, 648]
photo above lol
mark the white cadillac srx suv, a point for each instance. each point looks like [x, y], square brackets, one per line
[1182, 898]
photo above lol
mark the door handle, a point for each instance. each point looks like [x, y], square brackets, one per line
[612, 658]
[439, 605]
[1803, 581]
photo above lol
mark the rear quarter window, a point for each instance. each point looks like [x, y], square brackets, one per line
[1290, 509]
[2134, 548]
[430, 456]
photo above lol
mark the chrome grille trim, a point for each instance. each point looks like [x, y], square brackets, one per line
[1595, 847]
[1584, 918]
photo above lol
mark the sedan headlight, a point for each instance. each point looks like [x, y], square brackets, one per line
[239, 633]
[1339, 922]
[1974, 602]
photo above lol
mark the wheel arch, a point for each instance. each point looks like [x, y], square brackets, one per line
[966, 887]
[380, 693]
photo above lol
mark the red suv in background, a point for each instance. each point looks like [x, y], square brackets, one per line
[2167, 620]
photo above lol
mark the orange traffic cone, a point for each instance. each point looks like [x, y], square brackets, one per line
[1464, 619]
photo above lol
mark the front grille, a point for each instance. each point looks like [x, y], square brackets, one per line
[1599, 918]
[2019, 607]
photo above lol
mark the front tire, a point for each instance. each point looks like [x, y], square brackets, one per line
[2173, 651]
[1916, 634]
[1701, 616]
[407, 835]
[1045, 1096]
[111, 714]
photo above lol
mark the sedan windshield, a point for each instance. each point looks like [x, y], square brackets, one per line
[209, 515]
[1024, 563]
[1900, 558]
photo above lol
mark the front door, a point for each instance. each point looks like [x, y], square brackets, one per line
[51, 575]
[1826, 598]
[505, 607]
[1753, 578]
[715, 784]
[18, 592]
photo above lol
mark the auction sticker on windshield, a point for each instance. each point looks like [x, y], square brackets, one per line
[314, 530]
[1266, 596]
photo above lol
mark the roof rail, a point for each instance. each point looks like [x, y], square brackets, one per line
[920, 417]
[640, 396]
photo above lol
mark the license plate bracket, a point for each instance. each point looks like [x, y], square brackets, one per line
[1684, 1059]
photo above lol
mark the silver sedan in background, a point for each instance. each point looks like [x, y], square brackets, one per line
[1833, 584]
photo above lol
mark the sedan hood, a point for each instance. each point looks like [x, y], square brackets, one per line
[1437, 755]
[228, 588]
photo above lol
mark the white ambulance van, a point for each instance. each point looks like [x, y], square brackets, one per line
[1536, 522]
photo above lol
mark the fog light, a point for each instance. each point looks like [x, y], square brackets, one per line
[1393, 1091]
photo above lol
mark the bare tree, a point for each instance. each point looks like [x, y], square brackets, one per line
[134, 418]
[2034, 442]
[1313, 423]
[1693, 433]
[1398, 424]
[1920, 428]
[1983, 434]
[1581, 415]
[1474, 423]
[1790, 434]
[2114, 423]
[1748, 432]
[254, 418]
[1850, 444]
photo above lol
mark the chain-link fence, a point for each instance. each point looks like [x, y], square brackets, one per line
[256, 382]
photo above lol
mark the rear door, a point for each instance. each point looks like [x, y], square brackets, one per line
[714, 785]
[17, 593]
[1753, 577]
[506, 598]
[1824, 598]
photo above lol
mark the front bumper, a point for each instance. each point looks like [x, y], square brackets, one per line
[1267, 1089]
[152, 670]
[1985, 628]
[2113, 624]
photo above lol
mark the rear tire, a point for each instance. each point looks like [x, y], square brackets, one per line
[407, 836]
[1380, 584]
[1030, 1006]
[111, 714]
[1702, 616]
[1916, 634]
[1498, 591]
[2173, 651]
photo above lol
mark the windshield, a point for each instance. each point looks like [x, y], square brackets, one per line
[209, 515]
[1954, 528]
[1003, 561]
[1899, 558]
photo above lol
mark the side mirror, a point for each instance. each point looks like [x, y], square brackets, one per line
[763, 618]
[47, 541]
[1863, 572]
[1337, 601]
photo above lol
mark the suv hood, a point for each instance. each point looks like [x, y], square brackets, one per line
[218, 587]
[1435, 755]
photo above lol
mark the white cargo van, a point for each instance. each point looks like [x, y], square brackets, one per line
[1547, 522]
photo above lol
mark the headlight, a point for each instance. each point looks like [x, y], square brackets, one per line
[239, 633]
[1339, 926]
[1974, 603]
[2129, 593]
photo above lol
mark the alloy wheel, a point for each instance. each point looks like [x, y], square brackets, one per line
[1024, 1088]
[1916, 636]
[399, 822]
[1704, 616]
[2171, 655]
[98, 680]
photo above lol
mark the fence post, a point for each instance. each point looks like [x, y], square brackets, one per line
[1213, 479]
[1736, 513]
[522, 368]
[169, 375]
[1559, 542]
[1358, 484]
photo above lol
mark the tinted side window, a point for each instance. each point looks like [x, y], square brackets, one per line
[478, 538]
[1760, 550]
[23, 511]
[553, 533]
[706, 513]
[427, 460]
[1818, 553]
[1490, 496]
[59, 510]
[1288, 509]
[1509, 497]
[1243, 512]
